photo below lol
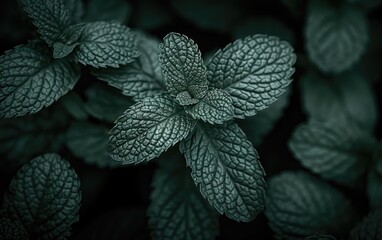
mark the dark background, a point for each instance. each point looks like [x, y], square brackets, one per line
[104, 190]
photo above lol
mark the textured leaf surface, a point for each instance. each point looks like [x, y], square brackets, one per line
[147, 129]
[299, 205]
[31, 80]
[334, 151]
[258, 126]
[141, 78]
[29, 136]
[106, 44]
[255, 71]
[106, 103]
[111, 10]
[182, 65]
[88, 141]
[370, 228]
[68, 40]
[45, 197]
[348, 97]
[215, 107]
[12, 230]
[51, 17]
[335, 36]
[178, 211]
[227, 170]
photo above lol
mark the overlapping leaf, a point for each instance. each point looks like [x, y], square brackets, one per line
[147, 129]
[227, 170]
[106, 44]
[336, 36]
[299, 205]
[255, 71]
[177, 210]
[45, 197]
[31, 80]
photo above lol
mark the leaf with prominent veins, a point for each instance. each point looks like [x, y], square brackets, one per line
[227, 170]
[182, 66]
[254, 70]
[147, 129]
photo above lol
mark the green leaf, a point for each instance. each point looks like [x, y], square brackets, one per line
[258, 126]
[177, 210]
[255, 71]
[347, 97]
[51, 17]
[185, 99]
[370, 228]
[215, 107]
[68, 40]
[45, 197]
[141, 78]
[337, 152]
[31, 80]
[336, 36]
[12, 230]
[147, 129]
[182, 66]
[227, 170]
[299, 205]
[29, 136]
[75, 8]
[106, 44]
[106, 103]
[88, 141]
[111, 10]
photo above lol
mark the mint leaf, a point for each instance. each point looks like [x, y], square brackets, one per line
[320, 237]
[258, 126]
[182, 66]
[147, 129]
[185, 99]
[88, 141]
[29, 136]
[45, 197]
[227, 170]
[141, 78]
[299, 205]
[12, 230]
[215, 107]
[347, 97]
[106, 44]
[336, 36]
[177, 210]
[111, 10]
[75, 8]
[370, 228]
[67, 41]
[106, 103]
[334, 151]
[255, 71]
[51, 17]
[31, 80]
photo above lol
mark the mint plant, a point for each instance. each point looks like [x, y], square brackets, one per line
[36, 74]
[197, 110]
[42, 202]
